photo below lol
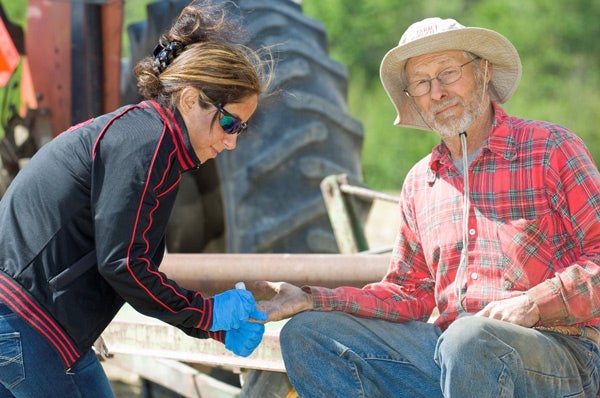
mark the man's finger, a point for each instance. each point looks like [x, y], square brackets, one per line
[267, 287]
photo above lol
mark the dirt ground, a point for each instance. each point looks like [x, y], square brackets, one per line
[380, 231]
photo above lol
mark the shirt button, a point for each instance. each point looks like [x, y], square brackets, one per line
[472, 231]
[474, 275]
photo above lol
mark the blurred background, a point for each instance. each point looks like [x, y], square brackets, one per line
[558, 43]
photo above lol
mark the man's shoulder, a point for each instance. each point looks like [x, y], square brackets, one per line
[522, 128]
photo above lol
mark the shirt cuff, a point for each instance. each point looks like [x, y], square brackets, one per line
[218, 335]
[206, 322]
[324, 299]
[551, 302]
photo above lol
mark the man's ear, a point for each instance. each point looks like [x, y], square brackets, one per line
[188, 100]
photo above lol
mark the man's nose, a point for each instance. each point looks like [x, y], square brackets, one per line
[437, 91]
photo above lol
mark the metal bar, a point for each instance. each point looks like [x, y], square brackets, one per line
[112, 31]
[368, 193]
[214, 273]
[348, 232]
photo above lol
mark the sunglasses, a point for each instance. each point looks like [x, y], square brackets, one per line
[229, 123]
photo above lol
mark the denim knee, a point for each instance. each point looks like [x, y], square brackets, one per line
[464, 335]
[296, 327]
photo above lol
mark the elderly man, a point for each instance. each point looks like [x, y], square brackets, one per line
[499, 229]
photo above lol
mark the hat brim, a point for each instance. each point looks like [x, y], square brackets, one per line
[484, 43]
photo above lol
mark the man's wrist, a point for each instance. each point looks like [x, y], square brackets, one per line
[533, 310]
[309, 301]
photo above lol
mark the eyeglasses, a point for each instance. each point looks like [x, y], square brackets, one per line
[446, 77]
[229, 123]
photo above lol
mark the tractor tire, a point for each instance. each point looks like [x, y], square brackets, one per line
[268, 188]
[270, 183]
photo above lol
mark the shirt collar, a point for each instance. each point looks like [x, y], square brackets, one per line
[499, 142]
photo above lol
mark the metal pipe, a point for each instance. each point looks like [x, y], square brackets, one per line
[215, 273]
[368, 193]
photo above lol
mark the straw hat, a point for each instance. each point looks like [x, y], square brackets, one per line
[435, 34]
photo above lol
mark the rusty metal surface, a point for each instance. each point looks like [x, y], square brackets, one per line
[48, 47]
[112, 30]
[74, 53]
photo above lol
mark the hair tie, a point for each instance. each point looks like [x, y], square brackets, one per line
[164, 55]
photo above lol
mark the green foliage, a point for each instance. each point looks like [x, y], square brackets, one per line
[15, 10]
[10, 94]
[558, 44]
[558, 47]
[388, 151]
[133, 11]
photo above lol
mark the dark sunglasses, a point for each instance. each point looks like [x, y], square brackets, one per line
[229, 123]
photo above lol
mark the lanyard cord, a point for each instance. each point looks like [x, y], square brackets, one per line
[464, 254]
[463, 265]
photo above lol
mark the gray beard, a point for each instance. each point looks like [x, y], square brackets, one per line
[474, 108]
[453, 128]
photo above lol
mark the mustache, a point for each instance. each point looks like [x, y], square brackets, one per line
[440, 105]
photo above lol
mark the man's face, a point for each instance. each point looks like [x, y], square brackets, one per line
[448, 109]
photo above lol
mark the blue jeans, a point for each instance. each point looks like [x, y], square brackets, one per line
[332, 354]
[30, 367]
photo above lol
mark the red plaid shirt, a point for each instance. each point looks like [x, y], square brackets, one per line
[534, 228]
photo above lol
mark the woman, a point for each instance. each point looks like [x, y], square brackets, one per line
[83, 224]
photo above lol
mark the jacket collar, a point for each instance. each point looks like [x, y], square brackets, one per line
[176, 126]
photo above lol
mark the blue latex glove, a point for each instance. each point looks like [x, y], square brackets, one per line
[243, 341]
[234, 307]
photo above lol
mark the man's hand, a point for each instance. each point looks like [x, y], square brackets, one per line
[519, 310]
[288, 300]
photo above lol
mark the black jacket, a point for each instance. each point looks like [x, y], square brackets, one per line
[83, 228]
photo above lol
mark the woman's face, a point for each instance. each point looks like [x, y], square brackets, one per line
[209, 139]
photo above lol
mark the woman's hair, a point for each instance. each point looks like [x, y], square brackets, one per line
[199, 51]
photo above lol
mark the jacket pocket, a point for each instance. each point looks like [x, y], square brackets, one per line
[73, 272]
